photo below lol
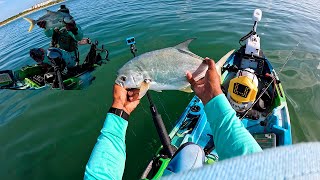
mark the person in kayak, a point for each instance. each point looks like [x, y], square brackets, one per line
[49, 61]
[38, 55]
[44, 60]
[65, 38]
[107, 160]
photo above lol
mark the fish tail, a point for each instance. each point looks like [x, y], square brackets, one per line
[32, 23]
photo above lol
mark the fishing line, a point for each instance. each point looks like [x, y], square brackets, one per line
[147, 112]
[289, 56]
[273, 78]
[164, 110]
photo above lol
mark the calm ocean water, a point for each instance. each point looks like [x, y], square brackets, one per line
[50, 134]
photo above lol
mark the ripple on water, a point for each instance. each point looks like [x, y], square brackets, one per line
[306, 112]
[9, 108]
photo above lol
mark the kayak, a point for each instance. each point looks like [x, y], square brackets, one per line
[41, 76]
[255, 92]
[32, 78]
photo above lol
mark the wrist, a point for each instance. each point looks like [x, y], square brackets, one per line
[117, 105]
[210, 96]
[119, 112]
[206, 100]
[120, 105]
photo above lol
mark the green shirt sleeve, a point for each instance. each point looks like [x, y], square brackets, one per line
[231, 138]
[107, 160]
[48, 32]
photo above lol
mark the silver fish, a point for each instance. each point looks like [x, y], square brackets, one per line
[53, 19]
[163, 69]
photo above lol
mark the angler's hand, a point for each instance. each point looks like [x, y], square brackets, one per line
[208, 87]
[42, 24]
[126, 100]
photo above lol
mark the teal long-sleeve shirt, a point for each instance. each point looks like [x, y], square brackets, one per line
[231, 138]
[107, 160]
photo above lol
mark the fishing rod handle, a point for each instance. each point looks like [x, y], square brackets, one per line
[163, 134]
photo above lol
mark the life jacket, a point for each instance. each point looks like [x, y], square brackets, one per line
[64, 41]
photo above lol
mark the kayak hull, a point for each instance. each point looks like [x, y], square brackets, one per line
[27, 78]
[271, 130]
[277, 121]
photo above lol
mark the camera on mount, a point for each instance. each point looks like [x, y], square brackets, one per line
[131, 42]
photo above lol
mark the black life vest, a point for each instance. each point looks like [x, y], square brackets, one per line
[64, 41]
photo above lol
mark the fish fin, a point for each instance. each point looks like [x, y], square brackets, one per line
[190, 54]
[187, 89]
[49, 12]
[200, 72]
[223, 60]
[32, 23]
[184, 45]
[143, 89]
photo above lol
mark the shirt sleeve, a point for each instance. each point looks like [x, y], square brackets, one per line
[48, 32]
[231, 138]
[107, 160]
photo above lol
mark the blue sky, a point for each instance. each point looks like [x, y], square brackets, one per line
[10, 8]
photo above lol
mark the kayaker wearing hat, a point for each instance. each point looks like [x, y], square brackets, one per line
[65, 38]
[64, 9]
[107, 160]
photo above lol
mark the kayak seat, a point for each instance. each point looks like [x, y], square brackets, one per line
[188, 157]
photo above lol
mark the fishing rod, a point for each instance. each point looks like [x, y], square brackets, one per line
[156, 116]
[58, 74]
[273, 79]
[161, 129]
[55, 57]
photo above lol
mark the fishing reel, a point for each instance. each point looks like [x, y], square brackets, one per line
[101, 50]
[131, 42]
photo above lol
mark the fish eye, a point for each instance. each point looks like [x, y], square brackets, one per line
[123, 78]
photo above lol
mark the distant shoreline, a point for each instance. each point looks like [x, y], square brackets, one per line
[24, 13]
